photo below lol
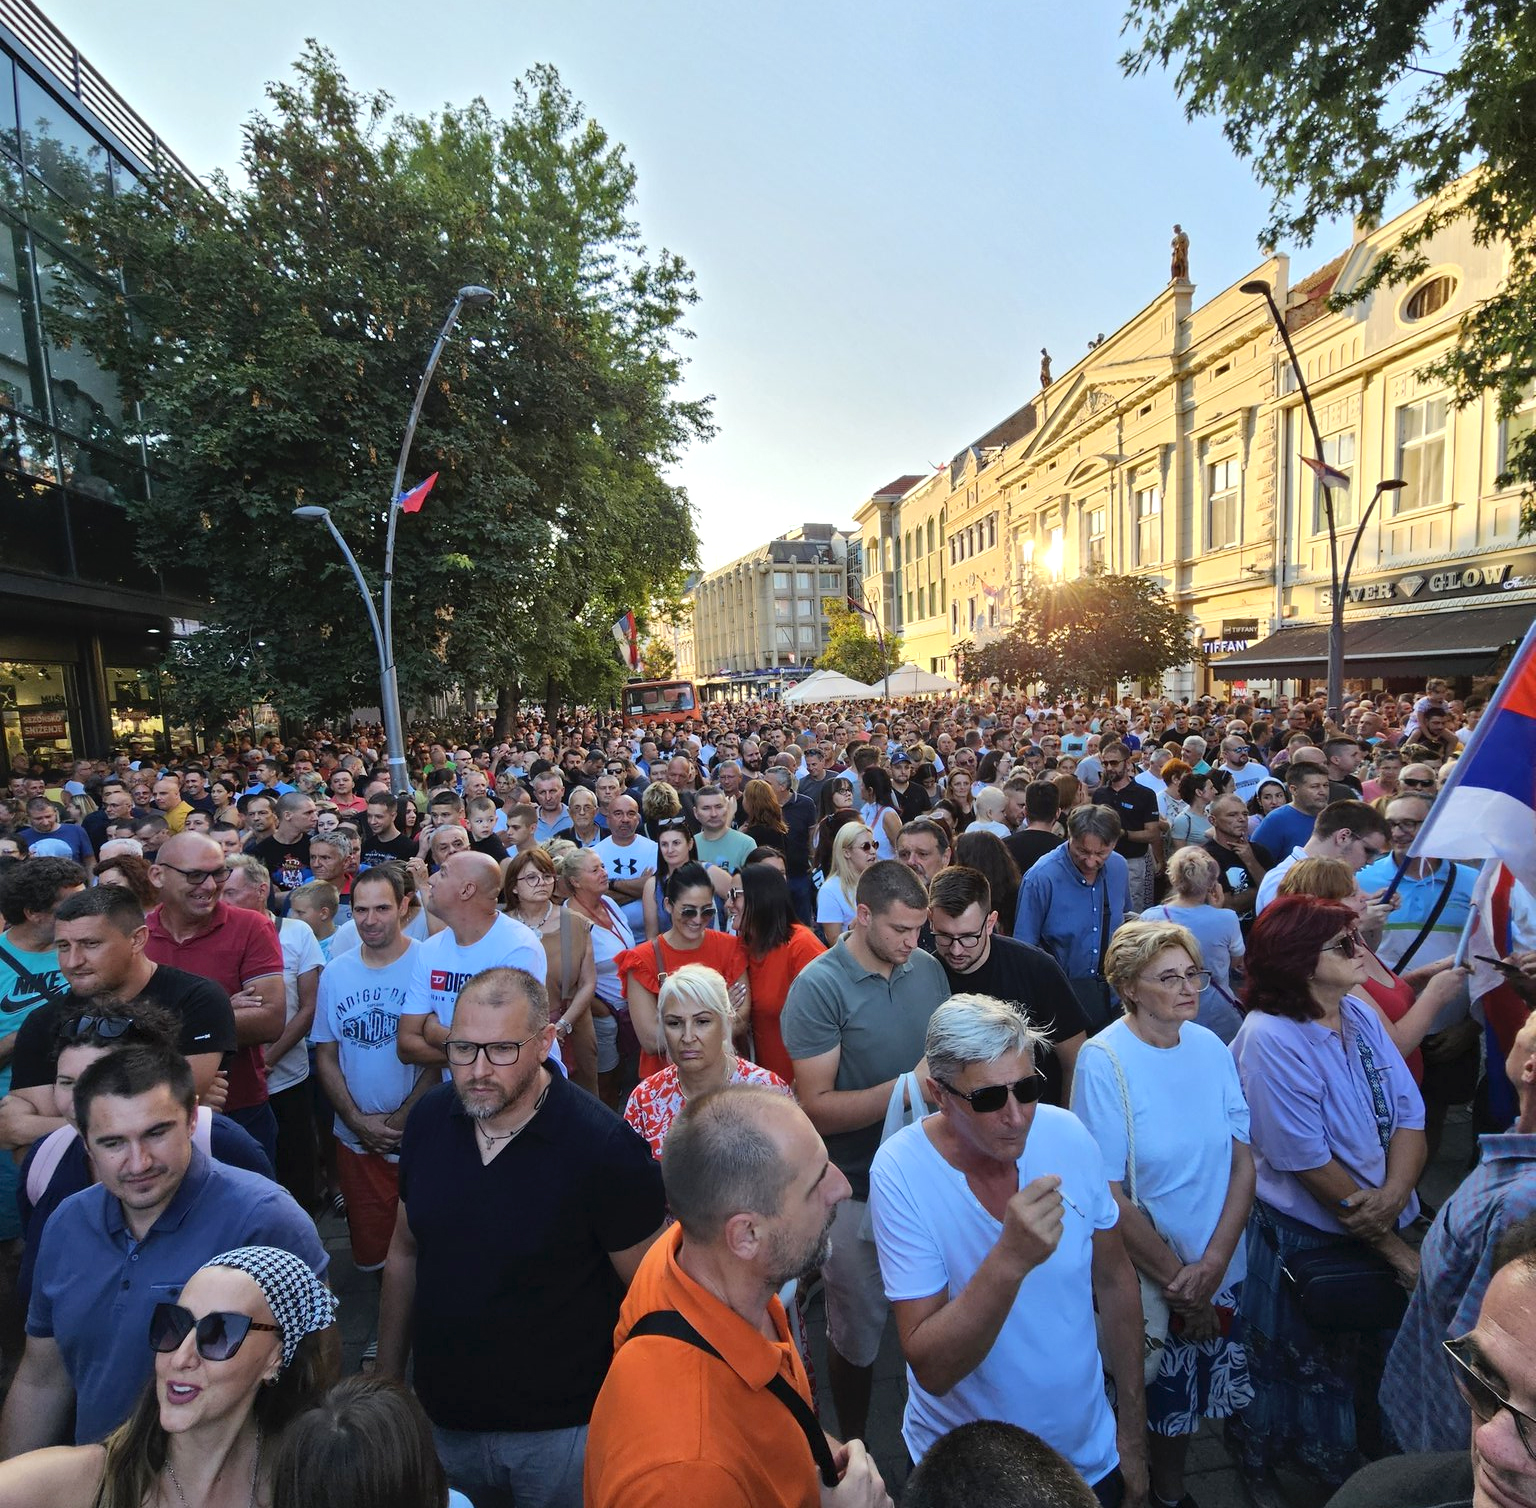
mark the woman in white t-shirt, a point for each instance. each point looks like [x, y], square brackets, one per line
[1161, 1097]
[854, 849]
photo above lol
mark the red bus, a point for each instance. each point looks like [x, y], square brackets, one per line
[659, 701]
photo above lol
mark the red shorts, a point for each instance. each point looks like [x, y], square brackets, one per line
[371, 1186]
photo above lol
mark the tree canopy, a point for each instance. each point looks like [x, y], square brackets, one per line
[852, 649]
[1340, 104]
[272, 336]
[1078, 638]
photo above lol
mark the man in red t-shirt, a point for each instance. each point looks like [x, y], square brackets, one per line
[193, 929]
[344, 794]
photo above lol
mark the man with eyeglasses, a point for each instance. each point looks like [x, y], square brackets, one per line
[1492, 1368]
[997, 1236]
[980, 960]
[193, 929]
[525, 1208]
[465, 894]
[160, 1208]
[1347, 830]
[1419, 779]
[1141, 828]
[853, 1023]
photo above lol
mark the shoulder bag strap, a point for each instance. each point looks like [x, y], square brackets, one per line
[1401, 965]
[670, 1323]
[50, 992]
[565, 955]
[661, 965]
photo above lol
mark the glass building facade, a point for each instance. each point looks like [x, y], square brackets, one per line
[82, 619]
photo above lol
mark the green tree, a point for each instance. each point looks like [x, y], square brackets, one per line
[1078, 638]
[273, 335]
[852, 649]
[657, 660]
[1341, 105]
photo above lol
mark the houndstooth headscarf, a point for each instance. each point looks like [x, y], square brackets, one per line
[300, 1303]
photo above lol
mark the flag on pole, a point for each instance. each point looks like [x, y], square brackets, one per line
[410, 502]
[626, 634]
[859, 607]
[1487, 808]
[1329, 476]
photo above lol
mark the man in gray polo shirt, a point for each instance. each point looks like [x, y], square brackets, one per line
[854, 1021]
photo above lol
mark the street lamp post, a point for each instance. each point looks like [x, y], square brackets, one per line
[382, 625]
[1320, 490]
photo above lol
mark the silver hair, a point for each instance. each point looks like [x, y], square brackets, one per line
[341, 840]
[970, 1029]
[1101, 822]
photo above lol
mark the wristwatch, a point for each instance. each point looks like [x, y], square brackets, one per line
[562, 1028]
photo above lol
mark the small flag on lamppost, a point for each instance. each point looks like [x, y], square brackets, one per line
[1329, 476]
[410, 502]
[626, 634]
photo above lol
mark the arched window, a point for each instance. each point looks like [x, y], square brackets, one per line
[1429, 298]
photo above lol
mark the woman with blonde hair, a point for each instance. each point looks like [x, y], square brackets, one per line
[1161, 1097]
[659, 804]
[1407, 1003]
[854, 849]
[1194, 901]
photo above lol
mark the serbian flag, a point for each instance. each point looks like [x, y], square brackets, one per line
[1329, 476]
[410, 502]
[1487, 808]
[859, 607]
[626, 634]
[1504, 1011]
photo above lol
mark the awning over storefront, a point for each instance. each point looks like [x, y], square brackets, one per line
[1468, 642]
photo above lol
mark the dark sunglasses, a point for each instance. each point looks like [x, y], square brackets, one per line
[108, 1028]
[693, 913]
[1348, 945]
[1418, 785]
[985, 1101]
[219, 1335]
[1481, 1398]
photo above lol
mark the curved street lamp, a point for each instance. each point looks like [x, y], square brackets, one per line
[1322, 490]
[473, 296]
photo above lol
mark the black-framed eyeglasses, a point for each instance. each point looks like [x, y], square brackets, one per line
[958, 939]
[1405, 822]
[462, 1053]
[1481, 1396]
[108, 1028]
[197, 878]
[219, 1334]
[992, 1097]
[1350, 944]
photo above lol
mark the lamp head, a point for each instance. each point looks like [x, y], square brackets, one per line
[310, 511]
[1255, 285]
[473, 296]
[1391, 484]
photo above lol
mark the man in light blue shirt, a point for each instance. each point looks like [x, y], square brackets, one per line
[1072, 900]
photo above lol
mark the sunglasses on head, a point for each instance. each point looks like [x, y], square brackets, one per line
[994, 1096]
[108, 1028]
[219, 1335]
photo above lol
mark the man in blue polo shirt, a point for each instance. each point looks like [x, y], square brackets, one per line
[160, 1209]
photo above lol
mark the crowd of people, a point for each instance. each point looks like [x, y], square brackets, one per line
[1097, 1049]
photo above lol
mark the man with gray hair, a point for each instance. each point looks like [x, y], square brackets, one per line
[996, 1234]
[333, 858]
[1071, 902]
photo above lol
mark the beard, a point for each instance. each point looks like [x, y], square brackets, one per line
[484, 1106]
[787, 1263]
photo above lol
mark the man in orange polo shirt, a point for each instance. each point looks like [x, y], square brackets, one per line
[753, 1191]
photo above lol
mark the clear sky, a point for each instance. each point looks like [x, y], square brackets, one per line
[889, 207]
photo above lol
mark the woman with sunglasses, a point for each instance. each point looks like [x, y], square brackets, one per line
[1338, 1143]
[854, 849]
[238, 1357]
[1408, 1004]
[690, 939]
[1160, 1073]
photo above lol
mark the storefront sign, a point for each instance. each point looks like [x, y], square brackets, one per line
[1442, 582]
[38, 725]
[1223, 646]
[1246, 629]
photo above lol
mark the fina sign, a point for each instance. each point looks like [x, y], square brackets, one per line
[1451, 581]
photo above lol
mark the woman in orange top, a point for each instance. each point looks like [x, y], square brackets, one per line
[777, 947]
[690, 939]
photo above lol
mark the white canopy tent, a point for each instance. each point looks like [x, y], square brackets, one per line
[910, 681]
[828, 686]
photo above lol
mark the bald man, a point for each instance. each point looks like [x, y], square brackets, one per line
[464, 894]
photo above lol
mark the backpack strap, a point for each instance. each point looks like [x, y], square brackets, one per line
[674, 1326]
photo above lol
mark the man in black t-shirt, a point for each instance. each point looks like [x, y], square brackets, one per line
[1141, 825]
[286, 852]
[978, 960]
[1038, 836]
[383, 842]
[1242, 864]
[100, 936]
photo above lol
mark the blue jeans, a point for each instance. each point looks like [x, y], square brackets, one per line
[802, 896]
[503, 1468]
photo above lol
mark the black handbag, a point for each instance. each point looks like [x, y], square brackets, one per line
[1345, 1286]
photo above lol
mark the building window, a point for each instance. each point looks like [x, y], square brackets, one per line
[1055, 558]
[804, 607]
[930, 537]
[933, 599]
[829, 581]
[1517, 426]
[954, 549]
[806, 636]
[781, 581]
[1429, 299]
[970, 614]
[896, 552]
[1221, 495]
[906, 545]
[872, 554]
[1421, 453]
[1149, 526]
[910, 613]
[1095, 548]
[803, 580]
[954, 617]
[781, 609]
[991, 531]
[992, 613]
[1338, 452]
